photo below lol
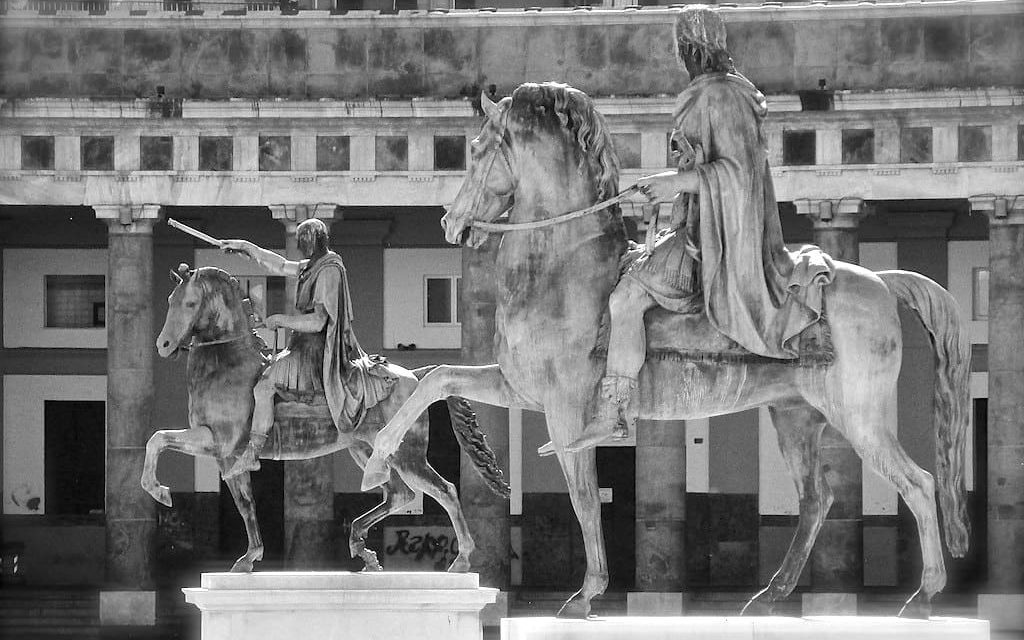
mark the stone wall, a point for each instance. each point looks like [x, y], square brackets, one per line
[317, 55]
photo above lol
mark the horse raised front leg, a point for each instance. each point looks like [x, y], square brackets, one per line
[799, 431]
[483, 384]
[197, 441]
[241, 490]
[396, 495]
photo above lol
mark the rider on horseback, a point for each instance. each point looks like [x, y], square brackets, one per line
[725, 254]
[323, 354]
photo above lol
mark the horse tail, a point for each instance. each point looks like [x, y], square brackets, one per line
[939, 313]
[472, 440]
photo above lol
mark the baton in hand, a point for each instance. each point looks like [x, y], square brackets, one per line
[195, 233]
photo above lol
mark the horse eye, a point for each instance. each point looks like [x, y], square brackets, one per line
[190, 305]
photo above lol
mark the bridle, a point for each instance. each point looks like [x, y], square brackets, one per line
[193, 344]
[499, 227]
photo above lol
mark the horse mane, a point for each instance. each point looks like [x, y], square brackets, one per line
[223, 280]
[540, 104]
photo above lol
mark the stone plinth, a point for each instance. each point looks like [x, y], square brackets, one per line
[328, 605]
[736, 628]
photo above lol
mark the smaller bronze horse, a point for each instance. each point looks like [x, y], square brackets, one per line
[207, 315]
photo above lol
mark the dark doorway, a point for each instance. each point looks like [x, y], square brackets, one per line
[74, 441]
[443, 452]
[616, 471]
[268, 491]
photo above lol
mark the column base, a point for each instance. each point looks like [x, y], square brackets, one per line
[121, 608]
[829, 604]
[654, 603]
[1004, 611]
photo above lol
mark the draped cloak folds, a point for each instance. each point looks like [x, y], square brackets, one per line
[352, 381]
[755, 291]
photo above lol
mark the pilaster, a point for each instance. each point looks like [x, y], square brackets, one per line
[130, 513]
[362, 153]
[67, 153]
[309, 531]
[1005, 445]
[835, 223]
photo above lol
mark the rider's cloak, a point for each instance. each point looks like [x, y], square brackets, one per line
[353, 381]
[755, 291]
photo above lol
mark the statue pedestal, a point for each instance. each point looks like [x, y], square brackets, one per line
[330, 605]
[737, 628]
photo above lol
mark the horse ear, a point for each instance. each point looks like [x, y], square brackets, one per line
[175, 278]
[183, 271]
[491, 110]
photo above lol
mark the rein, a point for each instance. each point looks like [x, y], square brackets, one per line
[194, 344]
[493, 227]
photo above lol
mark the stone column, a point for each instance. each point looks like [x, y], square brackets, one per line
[130, 512]
[309, 532]
[488, 515]
[1003, 602]
[660, 519]
[837, 561]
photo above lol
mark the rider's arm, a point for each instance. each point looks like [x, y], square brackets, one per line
[275, 263]
[668, 184]
[312, 322]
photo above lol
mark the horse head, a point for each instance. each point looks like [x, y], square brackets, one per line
[205, 303]
[546, 147]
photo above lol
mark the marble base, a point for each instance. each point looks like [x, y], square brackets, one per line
[137, 608]
[737, 628]
[829, 604]
[492, 613]
[650, 603]
[329, 605]
[1005, 611]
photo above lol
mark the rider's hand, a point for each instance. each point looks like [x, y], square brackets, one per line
[662, 187]
[273, 322]
[243, 247]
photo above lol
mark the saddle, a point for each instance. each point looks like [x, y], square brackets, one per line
[691, 337]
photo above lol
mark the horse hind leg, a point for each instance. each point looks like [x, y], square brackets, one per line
[397, 494]
[241, 490]
[799, 429]
[197, 441]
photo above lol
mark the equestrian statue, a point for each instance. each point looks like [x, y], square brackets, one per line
[711, 317]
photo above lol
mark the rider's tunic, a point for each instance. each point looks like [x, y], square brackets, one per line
[754, 291]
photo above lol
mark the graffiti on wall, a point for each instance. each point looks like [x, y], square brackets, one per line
[419, 548]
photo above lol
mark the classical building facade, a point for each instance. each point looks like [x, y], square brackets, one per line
[896, 137]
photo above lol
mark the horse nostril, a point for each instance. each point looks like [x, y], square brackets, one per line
[166, 344]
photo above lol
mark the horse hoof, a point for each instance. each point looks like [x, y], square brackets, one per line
[461, 565]
[574, 608]
[242, 565]
[375, 474]
[756, 607]
[916, 610]
[163, 495]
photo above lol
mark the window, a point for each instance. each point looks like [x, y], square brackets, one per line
[37, 152]
[1020, 141]
[391, 153]
[858, 146]
[275, 153]
[975, 144]
[443, 297]
[916, 145]
[979, 293]
[215, 153]
[97, 153]
[798, 148]
[627, 148]
[332, 153]
[75, 301]
[156, 153]
[74, 440]
[450, 153]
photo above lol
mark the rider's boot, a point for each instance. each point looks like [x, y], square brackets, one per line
[611, 420]
[250, 458]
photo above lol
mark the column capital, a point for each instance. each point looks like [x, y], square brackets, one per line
[840, 213]
[1001, 210]
[129, 218]
[294, 214]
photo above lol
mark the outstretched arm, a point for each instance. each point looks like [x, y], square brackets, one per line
[274, 263]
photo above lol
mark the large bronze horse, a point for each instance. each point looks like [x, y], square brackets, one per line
[545, 151]
[206, 314]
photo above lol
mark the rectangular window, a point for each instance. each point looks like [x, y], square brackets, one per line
[74, 451]
[442, 299]
[332, 153]
[916, 145]
[627, 147]
[216, 153]
[37, 152]
[858, 146]
[975, 144]
[275, 153]
[450, 153]
[979, 293]
[391, 153]
[75, 302]
[97, 153]
[799, 148]
[1020, 141]
[156, 153]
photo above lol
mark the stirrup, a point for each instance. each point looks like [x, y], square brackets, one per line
[609, 421]
[250, 458]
